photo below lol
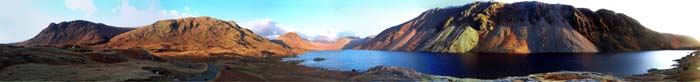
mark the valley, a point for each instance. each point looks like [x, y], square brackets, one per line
[478, 41]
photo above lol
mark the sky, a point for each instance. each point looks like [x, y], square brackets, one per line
[315, 19]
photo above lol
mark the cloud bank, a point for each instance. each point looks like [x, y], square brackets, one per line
[271, 30]
[331, 35]
[266, 28]
[128, 13]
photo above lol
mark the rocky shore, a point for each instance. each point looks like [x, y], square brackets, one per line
[389, 73]
[686, 69]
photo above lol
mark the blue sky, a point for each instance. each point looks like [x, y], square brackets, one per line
[316, 19]
[329, 18]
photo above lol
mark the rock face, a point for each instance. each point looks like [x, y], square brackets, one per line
[293, 40]
[198, 34]
[74, 33]
[612, 31]
[522, 27]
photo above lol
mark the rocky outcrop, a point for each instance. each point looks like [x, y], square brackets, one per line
[685, 69]
[74, 33]
[392, 73]
[293, 40]
[204, 35]
[522, 27]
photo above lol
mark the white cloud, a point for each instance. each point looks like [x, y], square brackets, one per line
[331, 35]
[324, 38]
[187, 8]
[270, 29]
[127, 14]
[327, 35]
[266, 28]
[81, 5]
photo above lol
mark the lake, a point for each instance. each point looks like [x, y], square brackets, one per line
[490, 66]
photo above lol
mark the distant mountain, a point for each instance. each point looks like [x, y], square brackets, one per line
[523, 27]
[293, 40]
[198, 35]
[74, 33]
[356, 41]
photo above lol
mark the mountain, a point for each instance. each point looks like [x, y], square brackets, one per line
[74, 33]
[612, 31]
[356, 41]
[293, 40]
[198, 35]
[523, 27]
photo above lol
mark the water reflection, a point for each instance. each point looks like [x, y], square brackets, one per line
[494, 65]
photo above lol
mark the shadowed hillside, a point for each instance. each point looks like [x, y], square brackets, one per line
[74, 33]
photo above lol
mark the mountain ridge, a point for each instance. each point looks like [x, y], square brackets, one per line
[293, 40]
[191, 36]
[74, 33]
[201, 34]
[492, 27]
[483, 27]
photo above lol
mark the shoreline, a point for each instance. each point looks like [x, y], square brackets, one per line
[389, 73]
[116, 65]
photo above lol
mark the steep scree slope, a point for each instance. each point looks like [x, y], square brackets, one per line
[522, 27]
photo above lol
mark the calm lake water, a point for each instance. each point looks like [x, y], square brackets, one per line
[489, 66]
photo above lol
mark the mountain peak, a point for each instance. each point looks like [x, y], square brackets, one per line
[74, 33]
[291, 35]
[204, 34]
[522, 27]
[293, 40]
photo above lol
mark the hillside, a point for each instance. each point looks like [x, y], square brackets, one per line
[74, 33]
[198, 36]
[293, 40]
[523, 27]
